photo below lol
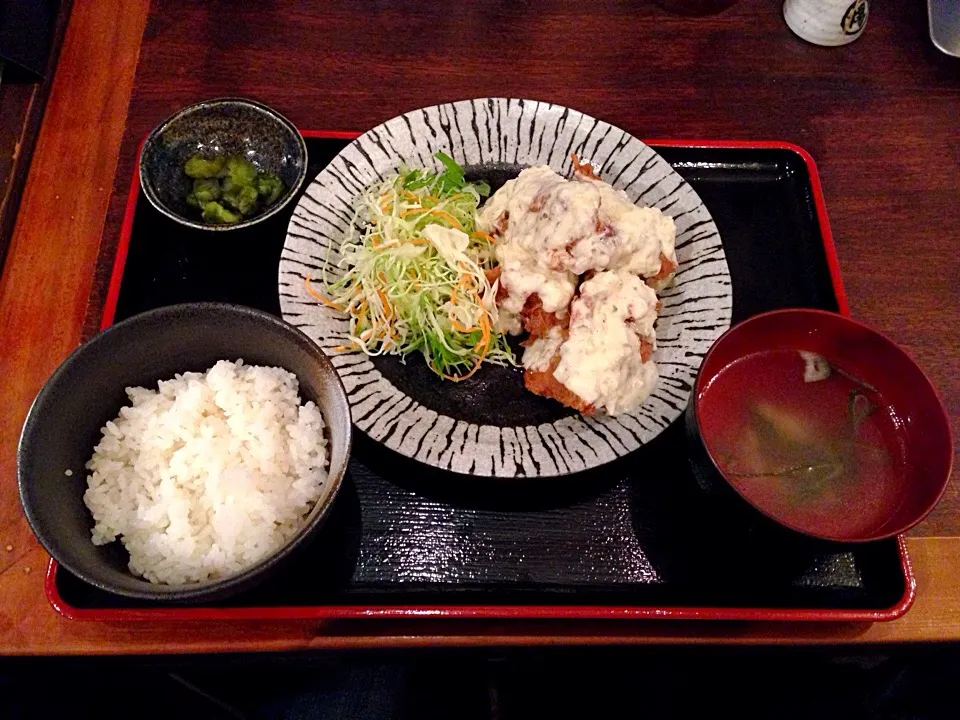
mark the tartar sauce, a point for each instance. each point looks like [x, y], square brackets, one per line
[570, 226]
[549, 232]
[540, 353]
[600, 360]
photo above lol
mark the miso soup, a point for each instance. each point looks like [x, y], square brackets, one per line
[806, 442]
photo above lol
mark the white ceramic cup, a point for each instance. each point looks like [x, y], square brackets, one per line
[826, 22]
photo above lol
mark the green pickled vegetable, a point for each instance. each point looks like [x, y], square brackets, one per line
[242, 198]
[214, 212]
[240, 170]
[206, 190]
[229, 188]
[270, 187]
[200, 167]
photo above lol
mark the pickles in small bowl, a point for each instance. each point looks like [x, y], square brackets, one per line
[222, 164]
[229, 188]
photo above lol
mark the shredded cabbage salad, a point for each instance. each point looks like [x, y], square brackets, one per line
[414, 276]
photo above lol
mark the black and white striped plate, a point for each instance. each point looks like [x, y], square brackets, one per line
[490, 425]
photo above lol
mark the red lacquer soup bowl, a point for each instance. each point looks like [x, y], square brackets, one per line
[821, 424]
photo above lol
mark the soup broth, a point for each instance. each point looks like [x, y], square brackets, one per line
[804, 441]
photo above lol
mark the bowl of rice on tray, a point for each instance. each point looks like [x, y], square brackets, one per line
[183, 454]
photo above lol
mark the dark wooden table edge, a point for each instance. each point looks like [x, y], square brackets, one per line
[28, 110]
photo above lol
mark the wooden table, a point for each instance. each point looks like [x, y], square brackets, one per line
[881, 116]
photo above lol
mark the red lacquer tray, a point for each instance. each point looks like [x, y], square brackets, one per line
[365, 563]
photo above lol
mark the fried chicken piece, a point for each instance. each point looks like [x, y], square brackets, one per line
[604, 229]
[583, 169]
[542, 382]
[493, 274]
[667, 268]
[500, 224]
[646, 349]
[538, 323]
[536, 320]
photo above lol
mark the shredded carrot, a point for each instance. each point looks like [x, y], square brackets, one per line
[320, 297]
[485, 342]
[458, 326]
[485, 328]
[453, 321]
[345, 348]
[483, 236]
[387, 307]
[435, 211]
[359, 310]
[458, 378]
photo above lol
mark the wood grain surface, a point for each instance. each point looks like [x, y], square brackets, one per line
[47, 278]
[879, 115]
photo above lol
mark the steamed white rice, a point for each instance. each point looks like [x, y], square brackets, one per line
[207, 475]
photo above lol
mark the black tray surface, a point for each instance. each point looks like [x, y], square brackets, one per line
[636, 532]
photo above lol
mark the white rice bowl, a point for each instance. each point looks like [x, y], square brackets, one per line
[208, 474]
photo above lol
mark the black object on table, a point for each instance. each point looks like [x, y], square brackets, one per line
[26, 27]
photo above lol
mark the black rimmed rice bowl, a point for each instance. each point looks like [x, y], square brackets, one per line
[67, 419]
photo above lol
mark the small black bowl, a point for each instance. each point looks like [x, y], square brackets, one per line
[226, 126]
[87, 390]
